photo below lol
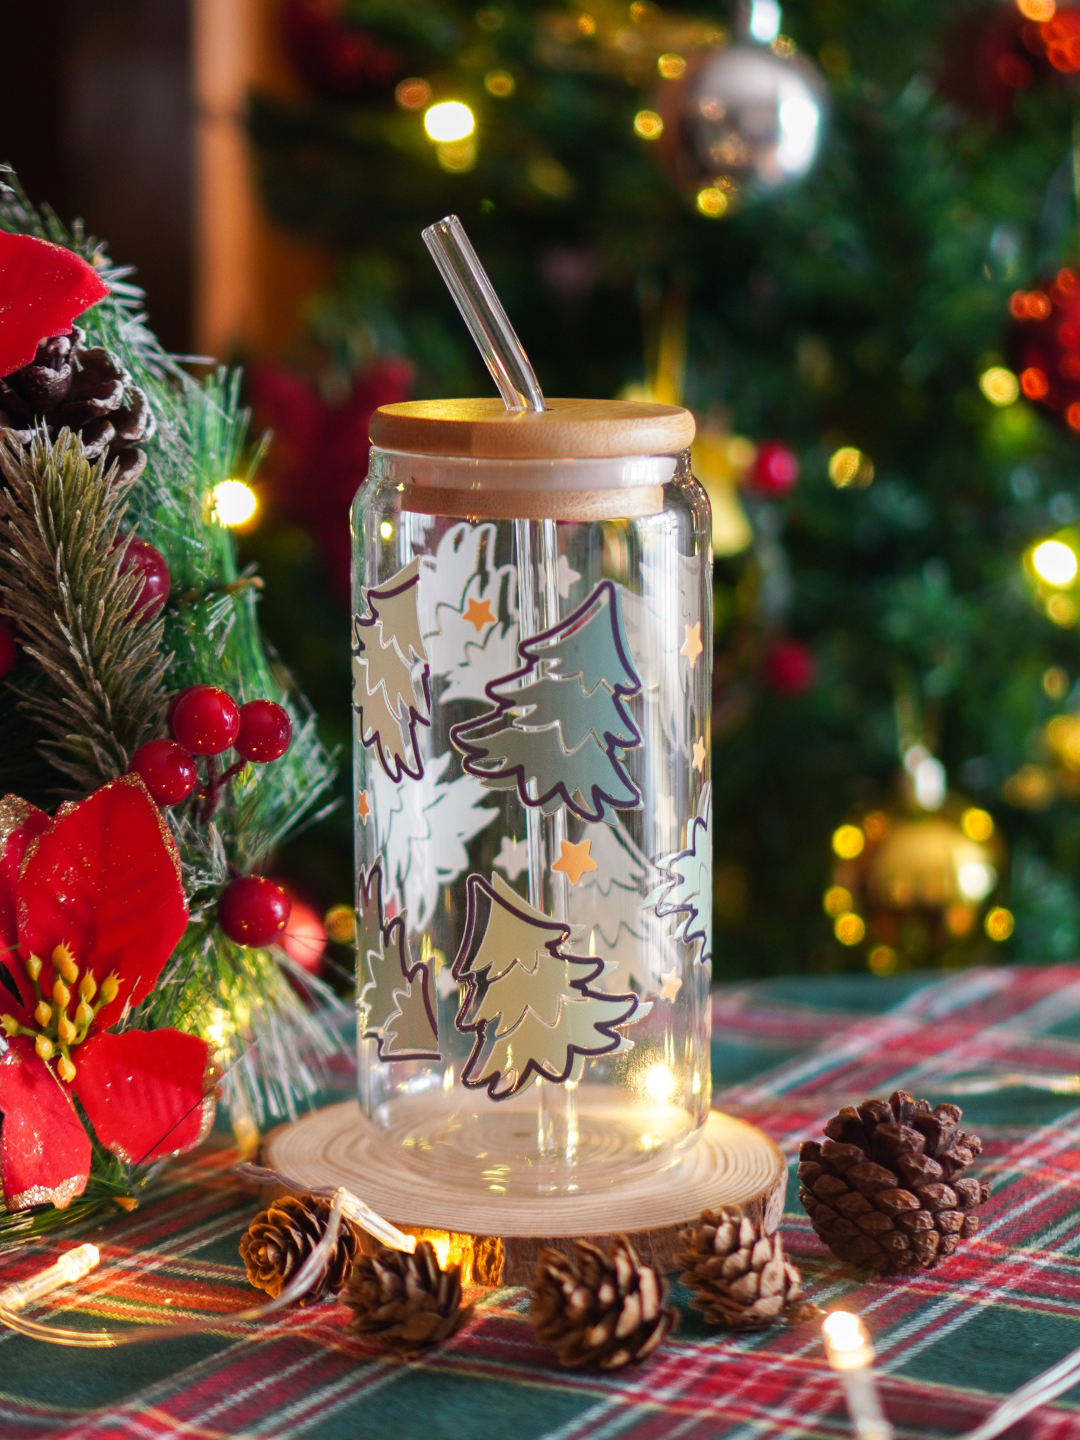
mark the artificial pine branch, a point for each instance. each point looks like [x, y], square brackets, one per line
[62, 584]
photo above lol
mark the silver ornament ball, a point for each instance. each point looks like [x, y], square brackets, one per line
[746, 113]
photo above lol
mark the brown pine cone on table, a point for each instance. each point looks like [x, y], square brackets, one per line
[85, 389]
[886, 1190]
[596, 1308]
[406, 1302]
[281, 1238]
[737, 1271]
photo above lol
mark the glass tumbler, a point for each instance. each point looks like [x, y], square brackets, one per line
[531, 673]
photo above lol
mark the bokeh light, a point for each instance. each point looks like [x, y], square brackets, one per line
[999, 923]
[1054, 562]
[456, 156]
[1034, 383]
[1062, 611]
[975, 879]
[413, 94]
[1000, 386]
[1038, 10]
[977, 824]
[499, 83]
[850, 928]
[882, 960]
[849, 466]
[1055, 682]
[234, 503]
[340, 924]
[671, 66]
[448, 121]
[837, 900]
[712, 201]
[648, 125]
[848, 841]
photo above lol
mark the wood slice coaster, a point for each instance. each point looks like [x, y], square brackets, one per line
[496, 1238]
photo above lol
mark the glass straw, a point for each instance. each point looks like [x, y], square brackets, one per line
[481, 309]
[538, 582]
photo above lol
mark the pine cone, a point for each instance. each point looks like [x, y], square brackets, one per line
[280, 1239]
[737, 1271]
[886, 1190]
[596, 1308]
[85, 389]
[408, 1302]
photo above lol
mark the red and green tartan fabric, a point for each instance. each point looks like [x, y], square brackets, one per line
[1003, 1043]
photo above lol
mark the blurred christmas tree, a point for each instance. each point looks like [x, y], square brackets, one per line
[889, 653]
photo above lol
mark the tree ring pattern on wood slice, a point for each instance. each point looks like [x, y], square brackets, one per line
[496, 1238]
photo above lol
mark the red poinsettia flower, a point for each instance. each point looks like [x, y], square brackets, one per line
[91, 907]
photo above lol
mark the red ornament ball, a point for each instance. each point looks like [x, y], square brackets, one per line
[775, 470]
[8, 652]
[304, 938]
[253, 911]
[1044, 344]
[265, 732]
[140, 555]
[166, 769]
[790, 667]
[205, 719]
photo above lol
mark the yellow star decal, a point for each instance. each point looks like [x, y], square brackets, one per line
[363, 806]
[699, 755]
[692, 646]
[574, 860]
[478, 614]
[670, 985]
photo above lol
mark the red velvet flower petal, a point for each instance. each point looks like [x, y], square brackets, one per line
[43, 287]
[44, 1150]
[20, 822]
[105, 880]
[145, 1092]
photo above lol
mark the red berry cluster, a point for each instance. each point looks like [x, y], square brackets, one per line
[207, 721]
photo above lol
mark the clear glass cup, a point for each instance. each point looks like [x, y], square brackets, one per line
[532, 807]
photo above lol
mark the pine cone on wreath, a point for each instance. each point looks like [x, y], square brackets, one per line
[407, 1302]
[737, 1271]
[84, 388]
[596, 1308]
[281, 1238]
[886, 1190]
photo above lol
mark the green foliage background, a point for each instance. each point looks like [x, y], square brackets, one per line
[857, 306]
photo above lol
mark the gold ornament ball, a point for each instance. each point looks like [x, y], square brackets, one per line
[929, 863]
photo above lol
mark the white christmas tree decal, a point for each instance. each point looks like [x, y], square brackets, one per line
[687, 891]
[395, 1000]
[530, 1003]
[612, 902]
[422, 833]
[389, 698]
[560, 728]
[475, 635]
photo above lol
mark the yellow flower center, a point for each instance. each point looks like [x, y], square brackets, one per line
[58, 1033]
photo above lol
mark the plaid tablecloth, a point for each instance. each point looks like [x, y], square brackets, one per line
[786, 1055]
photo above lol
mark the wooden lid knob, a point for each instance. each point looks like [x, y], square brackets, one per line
[568, 429]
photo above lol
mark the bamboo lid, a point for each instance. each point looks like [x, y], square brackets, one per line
[486, 430]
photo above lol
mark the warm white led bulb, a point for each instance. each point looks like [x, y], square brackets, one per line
[448, 121]
[234, 502]
[1055, 562]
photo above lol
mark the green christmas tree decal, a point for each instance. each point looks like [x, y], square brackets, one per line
[688, 888]
[389, 698]
[560, 728]
[395, 995]
[531, 1005]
